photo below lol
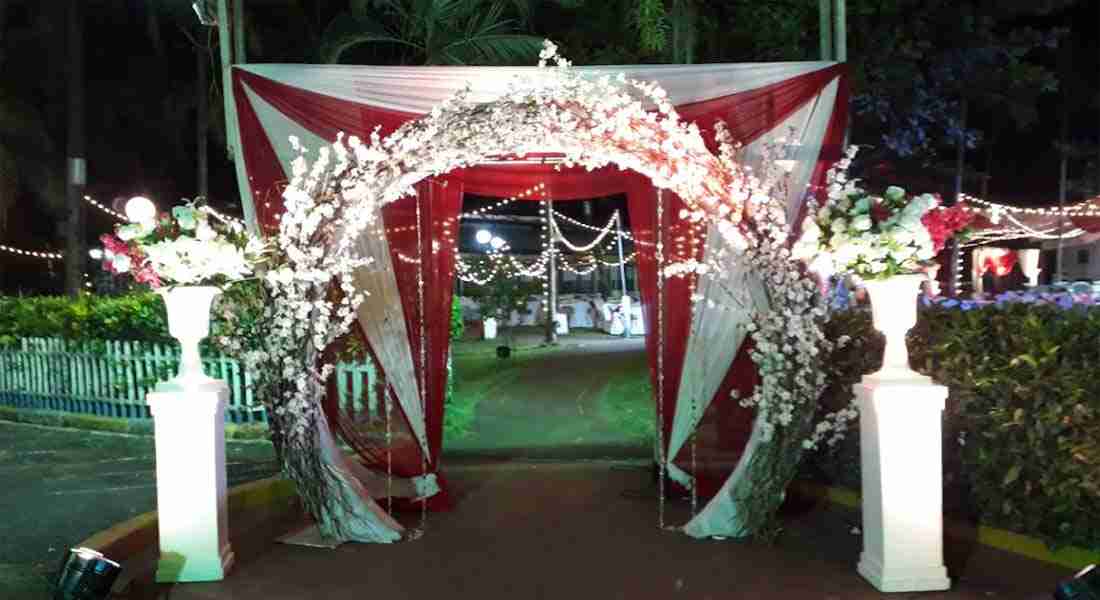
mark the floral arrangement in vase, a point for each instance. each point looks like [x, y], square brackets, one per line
[876, 236]
[192, 245]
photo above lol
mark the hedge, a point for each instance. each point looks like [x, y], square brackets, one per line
[138, 316]
[1022, 422]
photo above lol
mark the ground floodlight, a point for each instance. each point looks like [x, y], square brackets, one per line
[483, 236]
[86, 575]
[1082, 586]
[96, 253]
[140, 209]
[496, 243]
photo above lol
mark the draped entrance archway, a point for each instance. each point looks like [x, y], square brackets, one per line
[412, 241]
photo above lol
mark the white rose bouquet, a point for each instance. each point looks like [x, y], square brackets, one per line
[193, 245]
[874, 237]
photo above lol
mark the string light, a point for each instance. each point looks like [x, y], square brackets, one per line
[32, 253]
[604, 232]
[222, 216]
[505, 202]
[113, 213]
[1086, 208]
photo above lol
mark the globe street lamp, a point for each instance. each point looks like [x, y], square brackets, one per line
[140, 209]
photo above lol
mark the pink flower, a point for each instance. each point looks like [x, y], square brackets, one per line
[146, 274]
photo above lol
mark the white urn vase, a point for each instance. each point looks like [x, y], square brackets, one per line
[894, 312]
[189, 322]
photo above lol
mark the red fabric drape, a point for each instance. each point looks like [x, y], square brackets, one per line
[681, 242]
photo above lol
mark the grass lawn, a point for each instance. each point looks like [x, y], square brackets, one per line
[589, 396]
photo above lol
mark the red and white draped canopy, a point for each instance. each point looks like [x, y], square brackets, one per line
[803, 102]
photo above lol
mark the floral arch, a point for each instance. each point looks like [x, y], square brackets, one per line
[330, 242]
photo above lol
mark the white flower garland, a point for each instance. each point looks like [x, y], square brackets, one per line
[592, 122]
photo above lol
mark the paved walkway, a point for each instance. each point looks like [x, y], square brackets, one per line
[579, 531]
[585, 400]
[59, 486]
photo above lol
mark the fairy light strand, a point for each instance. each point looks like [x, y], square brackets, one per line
[44, 254]
[113, 213]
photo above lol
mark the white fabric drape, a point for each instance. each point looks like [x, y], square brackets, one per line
[417, 90]
[719, 518]
[383, 321]
[279, 128]
[717, 329]
[367, 522]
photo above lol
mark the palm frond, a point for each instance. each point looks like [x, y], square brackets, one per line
[494, 49]
[346, 31]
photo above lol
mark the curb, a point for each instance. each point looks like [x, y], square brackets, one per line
[1071, 557]
[130, 538]
[234, 432]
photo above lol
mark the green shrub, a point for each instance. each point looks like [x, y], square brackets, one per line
[1022, 422]
[137, 316]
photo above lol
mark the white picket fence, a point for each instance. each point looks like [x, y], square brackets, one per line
[110, 378]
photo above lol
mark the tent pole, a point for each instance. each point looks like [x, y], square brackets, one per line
[232, 130]
[552, 276]
[238, 32]
[825, 14]
[840, 33]
[225, 46]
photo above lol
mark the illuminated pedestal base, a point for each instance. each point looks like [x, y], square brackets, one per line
[901, 455]
[191, 486]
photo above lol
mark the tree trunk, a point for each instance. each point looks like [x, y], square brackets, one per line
[75, 165]
[202, 119]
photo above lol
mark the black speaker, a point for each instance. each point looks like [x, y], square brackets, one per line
[85, 575]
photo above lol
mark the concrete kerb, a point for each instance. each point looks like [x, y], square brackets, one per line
[133, 542]
[1070, 557]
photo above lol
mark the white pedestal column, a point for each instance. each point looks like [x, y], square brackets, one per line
[191, 482]
[901, 456]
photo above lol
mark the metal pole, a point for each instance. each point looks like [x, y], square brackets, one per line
[1058, 273]
[225, 45]
[619, 240]
[825, 13]
[552, 275]
[624, 305]
[238, 32]
[840, 33]
[75, 148]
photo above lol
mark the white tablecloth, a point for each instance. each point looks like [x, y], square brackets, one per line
[583, 311]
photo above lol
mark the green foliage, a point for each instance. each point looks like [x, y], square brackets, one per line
[458, 327]
[434, 32]
[1022, 424]
[138, 316]
[503, 295]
